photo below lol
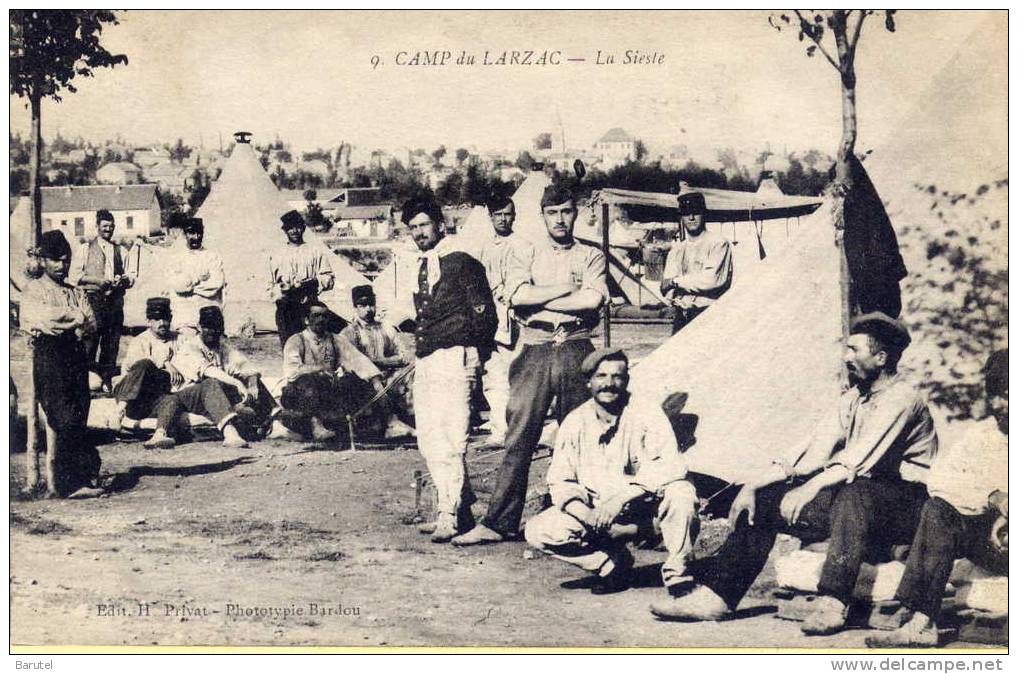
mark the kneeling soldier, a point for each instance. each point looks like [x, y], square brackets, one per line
[615, 474]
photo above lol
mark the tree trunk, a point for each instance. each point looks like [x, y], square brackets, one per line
[34, 168]
[35, 195]
[843, 181]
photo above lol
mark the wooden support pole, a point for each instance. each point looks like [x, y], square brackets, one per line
[607, 272]
[32, 421]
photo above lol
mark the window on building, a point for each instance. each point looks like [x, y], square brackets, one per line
[63, 223]
[130, 222]
[49, 223]
[79, 227]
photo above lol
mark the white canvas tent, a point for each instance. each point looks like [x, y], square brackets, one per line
[241, 215]
[763, 363]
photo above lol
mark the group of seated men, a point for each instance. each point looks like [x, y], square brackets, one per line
[326, 378]
[869, 477]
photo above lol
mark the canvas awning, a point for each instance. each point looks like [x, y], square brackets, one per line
[722, 205]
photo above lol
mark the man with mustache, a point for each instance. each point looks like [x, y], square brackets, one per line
[100, 270]
[197, 278]
[616, 469]
[556, 290]
[859, 481]
[149, 372]
[455, 323]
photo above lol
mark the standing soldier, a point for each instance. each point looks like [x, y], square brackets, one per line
[698, 269]
[60, 318]
[556, 290]
[456, 321]
[495, 257]
[299, 273]
[100, 271]
[197, 279]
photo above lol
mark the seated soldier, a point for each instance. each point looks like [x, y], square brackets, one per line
[326, 378]
[966, 516]
[616, 471]
[379, 341]
[219, 384]
[149, 374]
[859, 481]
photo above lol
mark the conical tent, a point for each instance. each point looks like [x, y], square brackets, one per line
[762, 364]
[241, 215]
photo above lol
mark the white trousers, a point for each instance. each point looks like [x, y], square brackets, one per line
[496, 387]
[442, 384]
[564, 537]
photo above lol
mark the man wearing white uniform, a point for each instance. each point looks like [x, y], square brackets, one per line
[197, 278]
[616, 471]
[495, 258]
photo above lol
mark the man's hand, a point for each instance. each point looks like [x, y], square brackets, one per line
[609, 510]
[176, 379]
[795, 500]
[998, 534]
[582, 512]
[251, 390]
[745, 502]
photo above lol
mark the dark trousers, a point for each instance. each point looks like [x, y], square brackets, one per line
[855, 517]
[945, 535]
[60, 373]
[141, 387]
[103, 347]
[331, 398]
[291, 317]
[684, 317]
[211, 398]
[539, 373]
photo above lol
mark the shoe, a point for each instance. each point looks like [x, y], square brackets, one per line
[701, 604]
[231, 438]
[479, 535]
[445, 528]
[427, 527]
[617, 578]
[87, 492]
[828, 617]
[398, 429]
[916, 633]
[281, 432]
[319, 433]
[159, 440]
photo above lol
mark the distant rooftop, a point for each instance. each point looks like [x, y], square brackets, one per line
[616, 135]
[69, 198]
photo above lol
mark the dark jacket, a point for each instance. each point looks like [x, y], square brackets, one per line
[459, 310]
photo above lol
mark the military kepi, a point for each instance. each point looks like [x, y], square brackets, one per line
[692, 203]
[53, 245]
[194, 225]
[364, 294]
[590, 363]
[889, 331]
[292, 219]
[210, 317]
[157, 307]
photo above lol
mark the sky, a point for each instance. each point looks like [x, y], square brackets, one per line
[319, 78]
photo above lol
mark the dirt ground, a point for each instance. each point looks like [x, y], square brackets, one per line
[291, 544]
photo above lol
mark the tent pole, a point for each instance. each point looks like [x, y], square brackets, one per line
[607, 272]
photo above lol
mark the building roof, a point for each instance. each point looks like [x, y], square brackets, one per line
[372, 212]
[93, 197]
[322, 194]
[616, 135]
[124, 166]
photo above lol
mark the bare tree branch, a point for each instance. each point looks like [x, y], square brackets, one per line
[805, 26]
[854, 40]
